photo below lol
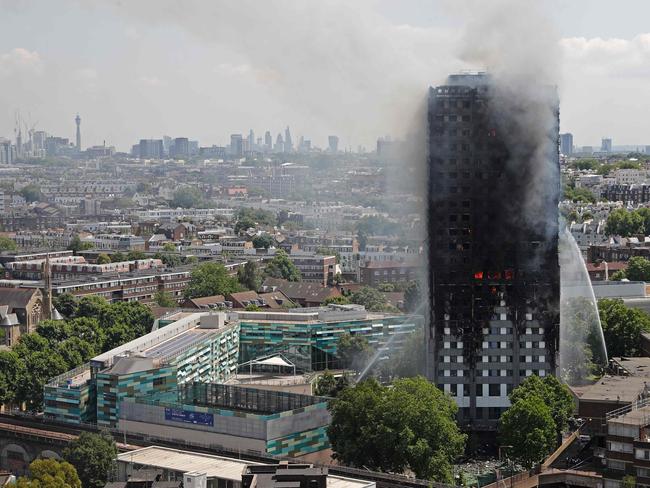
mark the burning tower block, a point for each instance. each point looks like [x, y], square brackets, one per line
[493, 184]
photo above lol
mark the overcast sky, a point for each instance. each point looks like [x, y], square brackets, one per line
[205, 69]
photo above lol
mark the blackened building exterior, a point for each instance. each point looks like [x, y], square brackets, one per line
[493, 243]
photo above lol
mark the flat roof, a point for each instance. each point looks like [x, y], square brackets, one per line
[175, 344]
[640, 417]
[615, 389]
[636, 366]
[213, 466]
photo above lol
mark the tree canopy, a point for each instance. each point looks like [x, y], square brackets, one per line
[410, 425]
[249, 276]
[528, 427]
[92, 326]
[372, 299]
[263, 241]
[93, 455]
[282, 267]
[187, 197]
[7, 244]
[353, 351]
[539, 413]
[622, 222]
[622, 327]
[209, 279]
[50, 473]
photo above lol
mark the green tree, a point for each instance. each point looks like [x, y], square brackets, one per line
[623, 223]
[135, 255]
[40, 366]
[76, 245]
[32, 193]
[353, 351]
[528, 427]
[618, 275]
[282, 267]
[412, 297]
[371, 298]
[93, 455]
[210, 279]
[638, 269]
[579, 195]
[244, 224]
[187, 197]
[328, 385]
[7, 244]
[386, 287]
[622, 327]
[50, 473]
[168, 247]
[75, 351]
[263, 241]
[12, 374]
[263, 217]
[249, 276]
[340, 300]
[164, 299]
[409, 426]
[118, 257]
[628, 481]
[553, 394]
[91, 306]
[410, 360]
[103, 258]
[251, 307]
[325, 384]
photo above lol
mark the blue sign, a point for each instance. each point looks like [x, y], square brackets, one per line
[187, 417]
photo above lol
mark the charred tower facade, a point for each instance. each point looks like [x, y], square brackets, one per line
[493, 181]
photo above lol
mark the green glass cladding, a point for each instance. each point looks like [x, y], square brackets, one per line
[299, 443]
[73, 404]
[313, 346]
[112, 389]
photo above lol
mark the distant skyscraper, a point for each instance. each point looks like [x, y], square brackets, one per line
[151, 149]
[333, 143]
[279, 144]
[288, 144]
[566, 144]
[167, 144]
[236, 145]
[494, 275]
[251, 140]
[180, 148]
[606, 144]
[6, 151]
[268, 140]
[77, 120]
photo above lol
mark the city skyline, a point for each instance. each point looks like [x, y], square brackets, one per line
[174, 75]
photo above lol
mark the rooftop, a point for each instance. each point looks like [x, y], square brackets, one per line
[212, 466]
[624, 389]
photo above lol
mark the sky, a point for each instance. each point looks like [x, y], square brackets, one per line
[359, 69]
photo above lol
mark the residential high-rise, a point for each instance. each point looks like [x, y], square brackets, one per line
[151, 149]
[333, 144]
[606, 144]
[288, 143]
[236, 145]
[77, 120]
[566, 144]
[493, 185]
[180, 148]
